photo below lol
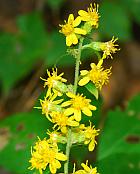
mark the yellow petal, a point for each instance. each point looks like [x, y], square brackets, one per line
[70, 18]
[69, 111]
[86, 168]
[70, 95]
[57, 164]
[84, 81]
[80, 31]
[67, 103]
[68, 41]
[77, 21]
[82, 13]
[74, 38]
[52, 168]
[87, 111]
[77, 115]
[92, 107]
[73, 123]
[91, 145]
[61, 156]
[83, 72]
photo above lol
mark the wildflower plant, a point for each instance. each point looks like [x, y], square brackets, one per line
[64, 106]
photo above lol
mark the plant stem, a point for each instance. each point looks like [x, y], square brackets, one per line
[77, 65]
[66, 165]
[68, 146]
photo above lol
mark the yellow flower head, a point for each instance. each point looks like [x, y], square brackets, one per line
[91, 16]
[52, 81]
[44, 154]
[49, 104]
[62, 120]
[78, 104]
[97, 75]
[70, 31]
[86, 169]
[90, 133]
[109, 48]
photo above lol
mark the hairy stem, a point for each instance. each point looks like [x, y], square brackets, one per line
[68, 146]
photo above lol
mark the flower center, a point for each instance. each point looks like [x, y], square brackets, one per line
[79, 102]
[67, 29]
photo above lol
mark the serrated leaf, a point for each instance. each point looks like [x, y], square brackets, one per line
[92, 89]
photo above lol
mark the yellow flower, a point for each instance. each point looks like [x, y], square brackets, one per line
[44, 154]
[91, 16]
[78, 104]
[49, 104]
[109, 48]
[69, 30]
[97, 75]
[87, 169]
[62, 121]
[90, 133]
[52, 81]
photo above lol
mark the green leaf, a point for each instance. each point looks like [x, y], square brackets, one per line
[92, 89]
[133, 8]
[19, 132]
[121, 133]
[114, 21]
[120, 164]
[19, 52]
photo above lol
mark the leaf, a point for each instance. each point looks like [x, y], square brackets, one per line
[121, 133]
[114, 21]
[120, 164]
[22, 131]
[24, 49]
[92, 89]
[133, 8]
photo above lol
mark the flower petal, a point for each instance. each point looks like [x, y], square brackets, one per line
[87, 111]
[86, 168]
[77, 21]
[80, 31]
[74, 38]
[69, 111]
[91, 145]
[77, 115]
[67, 103]
[52, 167]
[84, 81]
[70, 95]
[83, 72]
[92, 107]
[70, 18]
[68, 40]
[82, 13]
[61, 156]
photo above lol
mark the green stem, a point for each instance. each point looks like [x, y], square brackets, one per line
[77, 65]
[68, 147]
[69, 144]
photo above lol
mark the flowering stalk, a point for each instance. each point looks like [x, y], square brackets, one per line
[64, 106]
[68, 147]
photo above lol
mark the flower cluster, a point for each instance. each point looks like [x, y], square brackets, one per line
[65, 106]
[45, 153]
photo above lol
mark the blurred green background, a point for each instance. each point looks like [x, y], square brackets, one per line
[30, 43]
